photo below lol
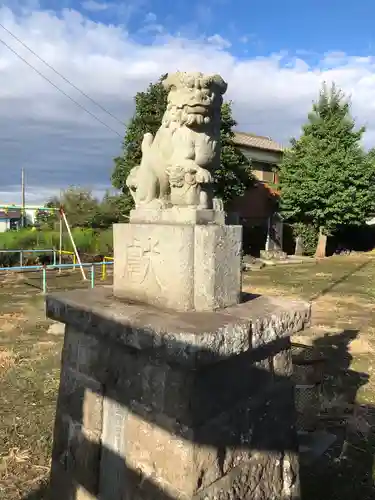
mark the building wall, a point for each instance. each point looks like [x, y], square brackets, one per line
[262, 155]
[256, 205]
[264, 163]
[4, 225]
[30, 214]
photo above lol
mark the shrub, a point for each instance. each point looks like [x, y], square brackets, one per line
[88, 242]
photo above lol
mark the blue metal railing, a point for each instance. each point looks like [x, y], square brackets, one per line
[22, 252]
[44, 269]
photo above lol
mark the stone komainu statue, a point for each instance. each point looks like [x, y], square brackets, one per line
[177, 164]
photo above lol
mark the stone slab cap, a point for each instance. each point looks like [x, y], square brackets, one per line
[177, 215]
[187, 338]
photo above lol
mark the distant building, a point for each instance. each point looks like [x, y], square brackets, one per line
[30, 214]
[9, 219]
[264, 155]
[259, 203]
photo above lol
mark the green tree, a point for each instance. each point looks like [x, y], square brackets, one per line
[326, 179]
[47, 218]
[84, 210]
[112, 209]
[232, 177]
[80, 206]
[149, 109]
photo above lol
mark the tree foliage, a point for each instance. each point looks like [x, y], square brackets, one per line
[326, 179]
[149, 109]
[231, 178]
[112, 209]
[234, 175]
[84, 210]
[80, 206]
[47, 218]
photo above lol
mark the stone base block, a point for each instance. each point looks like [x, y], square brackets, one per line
[161, 405]
[182, 267]
[273, 255]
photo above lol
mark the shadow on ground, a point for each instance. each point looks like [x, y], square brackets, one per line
[345, 471]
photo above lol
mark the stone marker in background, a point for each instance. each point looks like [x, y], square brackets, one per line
[299, 246]
[171, 386]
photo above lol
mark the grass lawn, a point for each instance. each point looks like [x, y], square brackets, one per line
[342, 290]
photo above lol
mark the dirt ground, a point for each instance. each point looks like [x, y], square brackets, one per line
[342, 291]
[29, 375]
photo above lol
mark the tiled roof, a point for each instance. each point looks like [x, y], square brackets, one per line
[10, 214]
[256, 141]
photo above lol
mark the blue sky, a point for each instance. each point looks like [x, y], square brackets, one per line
[274, 55]
[253, 28]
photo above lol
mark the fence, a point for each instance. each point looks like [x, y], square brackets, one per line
[43, 269]
[23, 252]
[106, 260]
[68, 253]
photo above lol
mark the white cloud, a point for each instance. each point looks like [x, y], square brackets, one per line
[93, 6]
[150, 17]
[58, 144]
[219, 41]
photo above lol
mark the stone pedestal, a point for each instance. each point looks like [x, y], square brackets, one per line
[186, 267]
[170, 405]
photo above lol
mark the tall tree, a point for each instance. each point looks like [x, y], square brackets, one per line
[47, 218]
[112, 209]
[326, 180]
[80, 206]
[149, 109]
[232, 177]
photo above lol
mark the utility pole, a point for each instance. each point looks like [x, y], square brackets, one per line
[23, 197]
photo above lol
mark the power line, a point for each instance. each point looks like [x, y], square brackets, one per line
[60, 90]
[61, 76]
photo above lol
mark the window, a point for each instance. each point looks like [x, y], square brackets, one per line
[265, 171]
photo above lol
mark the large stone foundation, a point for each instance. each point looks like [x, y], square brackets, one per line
[169, 405]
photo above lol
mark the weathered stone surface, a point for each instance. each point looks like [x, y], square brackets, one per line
[82, 397]
[177, 215]
[156, 404]
[113, 453]
[182, 267]
[154, 264]
[188, 338]
[77, 451]
[264, 477]
[177, 164]
[56, 329]
[217, 269]
[185, 465]
[282, 363]
[172, 393]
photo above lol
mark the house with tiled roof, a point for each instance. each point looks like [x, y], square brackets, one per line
[9, 219]
[256, 207]
[263, 153]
